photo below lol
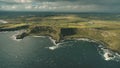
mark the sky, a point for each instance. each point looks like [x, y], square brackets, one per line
[61, 5]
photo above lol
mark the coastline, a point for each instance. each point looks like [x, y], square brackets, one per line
[56, 42]
[107, 53]
[107, 36]
[101, 46]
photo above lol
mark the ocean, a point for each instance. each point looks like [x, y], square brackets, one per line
[42, 52]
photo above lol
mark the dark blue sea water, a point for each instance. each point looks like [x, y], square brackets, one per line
[41, 52]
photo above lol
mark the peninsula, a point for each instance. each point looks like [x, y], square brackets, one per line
[65, 27]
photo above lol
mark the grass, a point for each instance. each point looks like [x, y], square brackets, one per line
[12, 25]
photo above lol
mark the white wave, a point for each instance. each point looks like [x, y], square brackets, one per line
[108, 54]
[14, 37]
[56, 45]
[53, 47]
[3, 21]
[100, 46]
[107, 57]
[40, 36]
[53, 41]
[86, 39]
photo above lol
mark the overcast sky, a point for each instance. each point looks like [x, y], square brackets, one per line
[61, 5]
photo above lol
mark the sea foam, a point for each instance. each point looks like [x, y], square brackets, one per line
[86, 39]
[3, 21]
[108, 54]
[53, 47]
[40, 36]
[13, 37]
[56, 45]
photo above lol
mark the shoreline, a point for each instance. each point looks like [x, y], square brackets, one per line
[101, 46]
[107, 53]
[56, 42]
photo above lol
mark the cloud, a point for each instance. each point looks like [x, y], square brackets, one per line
[61, 5]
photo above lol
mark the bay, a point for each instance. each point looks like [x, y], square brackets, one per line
[41, 52]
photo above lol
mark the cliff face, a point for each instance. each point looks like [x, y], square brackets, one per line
[53, 32]
[68, 31]
[109, 35]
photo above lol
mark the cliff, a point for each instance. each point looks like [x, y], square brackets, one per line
[101, 31]
[109, 36]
